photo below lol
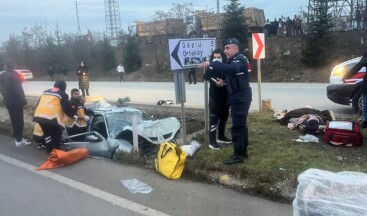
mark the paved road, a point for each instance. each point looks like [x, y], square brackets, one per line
[283, 95]
[92, 187]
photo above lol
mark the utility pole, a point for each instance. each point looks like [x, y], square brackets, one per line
[112, 18]
[218, 21]
[341, 10]
[77, 17]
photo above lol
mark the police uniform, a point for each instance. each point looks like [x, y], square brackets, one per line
[50, 114]
[239, 99]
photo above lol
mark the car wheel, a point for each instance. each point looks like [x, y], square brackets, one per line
[357, 102]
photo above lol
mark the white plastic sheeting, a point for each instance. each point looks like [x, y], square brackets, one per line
[136, 186]
[321, 192]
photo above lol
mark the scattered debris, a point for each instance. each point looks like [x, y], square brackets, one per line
[136, 186]
[121, 101]
[340, 158]
[224, 179]
[307, 138]
[162, 102]
[192, 148]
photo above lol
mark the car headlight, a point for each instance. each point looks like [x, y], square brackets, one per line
[339, 71]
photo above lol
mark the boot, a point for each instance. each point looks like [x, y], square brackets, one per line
[233, 160]
[213, 143]
[243, 154]
[238, 157]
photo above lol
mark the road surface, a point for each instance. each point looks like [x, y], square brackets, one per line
[92, 187]
[283, 95]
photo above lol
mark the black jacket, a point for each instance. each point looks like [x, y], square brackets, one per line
[355, 69]
[237, 78]
[11, 89]
[215, 92]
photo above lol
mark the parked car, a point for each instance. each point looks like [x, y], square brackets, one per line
[112, 130]
[346, 91]
[25, 74]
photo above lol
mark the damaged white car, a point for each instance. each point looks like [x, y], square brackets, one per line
[111, 130]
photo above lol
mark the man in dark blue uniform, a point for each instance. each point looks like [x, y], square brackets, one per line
[239, 96]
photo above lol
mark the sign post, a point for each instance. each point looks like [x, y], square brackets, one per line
[184, 54]
[258, 52]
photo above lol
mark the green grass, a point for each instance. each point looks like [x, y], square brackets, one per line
[275, 160]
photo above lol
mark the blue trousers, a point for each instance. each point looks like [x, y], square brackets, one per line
[239, 113]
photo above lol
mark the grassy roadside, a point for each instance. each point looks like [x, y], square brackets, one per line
[275, 160]
[274, 163]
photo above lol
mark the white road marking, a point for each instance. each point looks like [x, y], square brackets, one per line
[115, 200]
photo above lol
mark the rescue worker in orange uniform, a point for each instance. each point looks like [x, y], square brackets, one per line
[77, 104]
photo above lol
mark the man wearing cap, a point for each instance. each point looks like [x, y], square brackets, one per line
[14, 100]
[239, 96]
[51, 108]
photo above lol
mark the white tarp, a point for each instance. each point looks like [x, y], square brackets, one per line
[321, 192]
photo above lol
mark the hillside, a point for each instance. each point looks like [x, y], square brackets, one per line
[282, 62]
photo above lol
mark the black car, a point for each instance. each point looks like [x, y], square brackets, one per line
[346, 91]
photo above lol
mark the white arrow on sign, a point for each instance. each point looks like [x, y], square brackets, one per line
[188, 53]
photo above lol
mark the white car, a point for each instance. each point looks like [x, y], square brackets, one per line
[25, 74]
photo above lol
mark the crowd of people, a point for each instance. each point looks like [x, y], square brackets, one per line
[284, 27]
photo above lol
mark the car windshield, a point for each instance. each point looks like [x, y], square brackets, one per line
[117, 121]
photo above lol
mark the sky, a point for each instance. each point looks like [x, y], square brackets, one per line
[16, 15]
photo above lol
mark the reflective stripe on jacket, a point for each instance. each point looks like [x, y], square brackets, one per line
[69, 122]
[49, 109]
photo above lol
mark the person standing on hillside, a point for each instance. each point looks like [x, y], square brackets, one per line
[121, 71]
[14, 99]
[218, 107]
[239, 96]
[83, 78]
[351, 72]
[267, 27]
